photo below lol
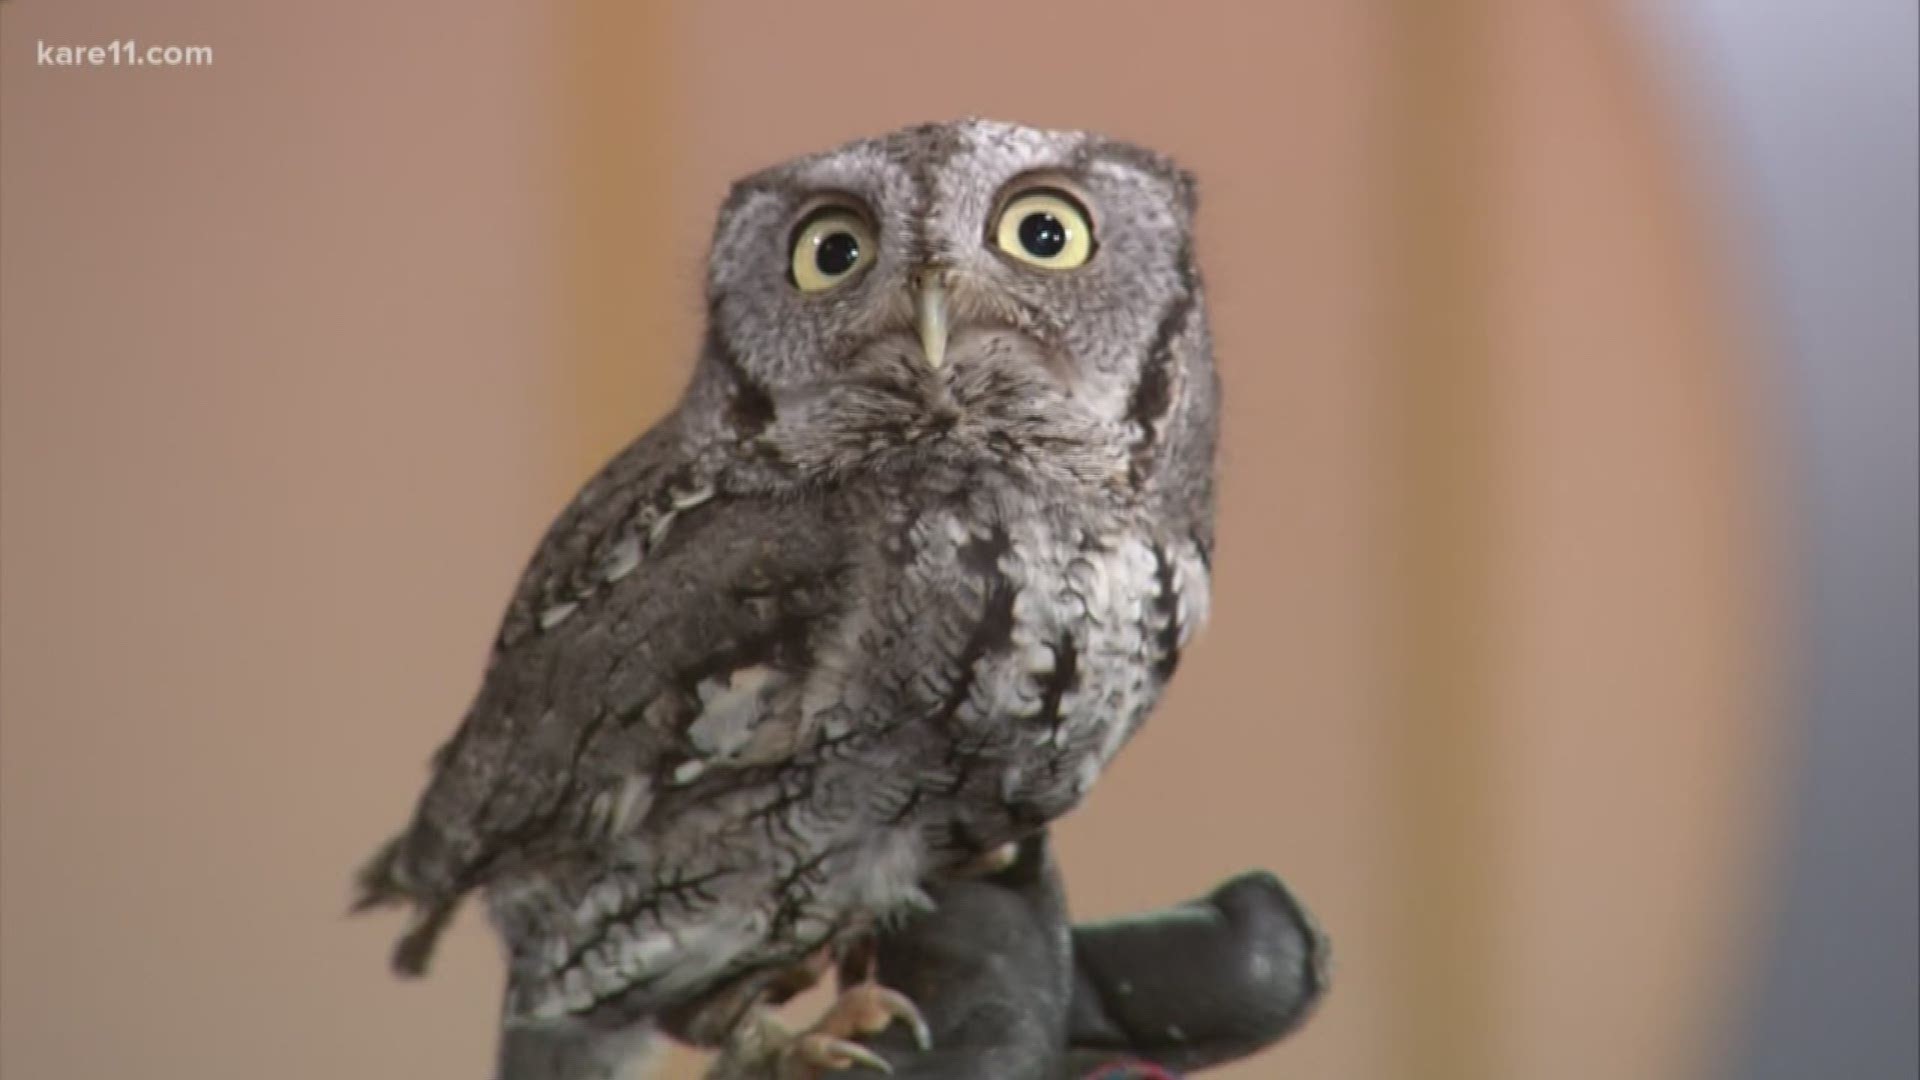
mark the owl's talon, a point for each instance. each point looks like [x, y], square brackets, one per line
[901, 1007]
[870, 1008]
[818, 1050]
[988, 863]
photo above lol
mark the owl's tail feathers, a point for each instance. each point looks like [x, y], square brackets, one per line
[389, 879]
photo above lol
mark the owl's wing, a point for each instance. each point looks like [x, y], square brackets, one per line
[650, 591]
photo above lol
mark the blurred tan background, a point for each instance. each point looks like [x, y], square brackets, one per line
[302, 350]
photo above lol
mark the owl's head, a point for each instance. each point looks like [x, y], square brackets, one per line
[959, 277]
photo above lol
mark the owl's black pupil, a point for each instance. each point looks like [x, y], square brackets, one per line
[1042, 234]
[836, 253]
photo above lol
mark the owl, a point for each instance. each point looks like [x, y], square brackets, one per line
[906, 566]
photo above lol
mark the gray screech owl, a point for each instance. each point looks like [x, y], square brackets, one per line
[908, 564]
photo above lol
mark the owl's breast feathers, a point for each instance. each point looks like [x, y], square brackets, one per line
[1029, 638]
[707, 702]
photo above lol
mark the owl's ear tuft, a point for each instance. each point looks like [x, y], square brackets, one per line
[1151, 162]
[743, 191]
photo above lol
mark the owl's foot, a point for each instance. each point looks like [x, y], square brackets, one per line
[736, 1014]
[863, 1009]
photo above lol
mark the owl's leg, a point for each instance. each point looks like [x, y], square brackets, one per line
[763, 1047]
[715, 1020]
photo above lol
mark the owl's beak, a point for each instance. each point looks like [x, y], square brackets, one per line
[930, 314]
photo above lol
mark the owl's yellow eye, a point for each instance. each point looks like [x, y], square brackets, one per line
[1047, 228]
[828, 247]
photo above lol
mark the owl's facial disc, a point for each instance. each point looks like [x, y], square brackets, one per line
[1041, 227]
[930, 314]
